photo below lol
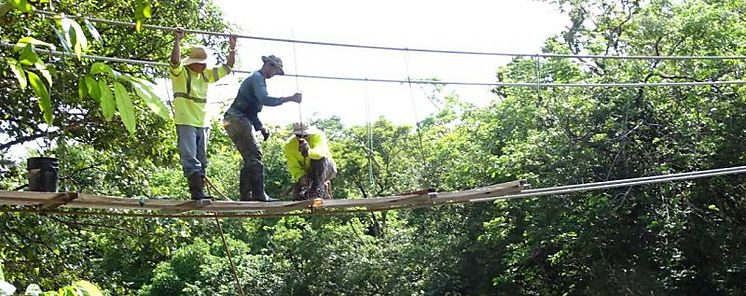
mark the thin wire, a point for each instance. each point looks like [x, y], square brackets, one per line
[493, 84]
[538, 77]
[650, 178]
[617, 183]
[297, 89]
[423, 160]
[63, 141]
[169, 98]
[425, 50]
[297, 86]
[531, 84]
[370, 136]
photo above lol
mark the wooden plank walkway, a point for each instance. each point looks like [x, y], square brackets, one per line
[48, 201]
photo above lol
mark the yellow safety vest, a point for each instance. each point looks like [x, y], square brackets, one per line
[190, 93]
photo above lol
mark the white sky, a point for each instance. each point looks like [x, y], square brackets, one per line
[497, 26]
[468, 25]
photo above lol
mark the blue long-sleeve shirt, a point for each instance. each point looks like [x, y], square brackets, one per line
[252, 96]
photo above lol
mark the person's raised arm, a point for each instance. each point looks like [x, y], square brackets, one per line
[260, 91]
[231, 51]
[176, 52]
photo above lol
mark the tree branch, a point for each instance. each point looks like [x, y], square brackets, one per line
[28, 138]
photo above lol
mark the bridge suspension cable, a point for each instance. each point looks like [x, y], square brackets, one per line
[391, 48]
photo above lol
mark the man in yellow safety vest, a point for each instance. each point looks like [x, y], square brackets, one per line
[309, 162]
[190, 78]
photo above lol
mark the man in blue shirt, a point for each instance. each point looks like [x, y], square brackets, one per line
[242, 115]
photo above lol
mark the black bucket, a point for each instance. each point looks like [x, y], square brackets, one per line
[42, 174]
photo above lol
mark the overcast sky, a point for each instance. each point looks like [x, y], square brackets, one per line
[496, 26]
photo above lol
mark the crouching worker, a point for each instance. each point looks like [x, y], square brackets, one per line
[243, 115]
[310, 162]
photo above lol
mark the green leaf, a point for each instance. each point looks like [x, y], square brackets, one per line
[99, 67]
[92, 87]
[88, 287]
[138, 25]
[28, 56]
[107, 100]
[147, 9]
[45, 102]
[125, 107]
[61, 37]
[94, 32]
[145, 91]
[42, 68]
[65, 24]
[82, 88]
[80, 42]
[23, 42]
[68, 291]
[22, 5]
[18, 71]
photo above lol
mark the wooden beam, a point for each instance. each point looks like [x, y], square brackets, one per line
[59, 200]
[423, 198]
[483, 192]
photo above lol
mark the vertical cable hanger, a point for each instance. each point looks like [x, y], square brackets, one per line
[370, 135]
[297, 84]
[538, 76]
[416, 118]
[62, 140]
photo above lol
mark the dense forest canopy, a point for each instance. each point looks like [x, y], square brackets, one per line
[671, 238]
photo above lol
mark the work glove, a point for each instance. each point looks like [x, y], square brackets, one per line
[265, 133]
[297, 97]
[303, 147]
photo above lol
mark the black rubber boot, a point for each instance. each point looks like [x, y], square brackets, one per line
[257, 185]
[196, 186]
[244, 184]
[316, 176]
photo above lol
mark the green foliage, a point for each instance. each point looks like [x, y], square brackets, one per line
[21, 5]
[671, 238]
[25, 70]
[45, 103]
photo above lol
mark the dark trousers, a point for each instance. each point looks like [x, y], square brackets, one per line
[239, 129]
[314, 183]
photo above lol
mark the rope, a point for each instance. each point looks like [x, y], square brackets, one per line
[398, 81]
[425, 50]
[222, 236]
[212, 186]
[228, 253]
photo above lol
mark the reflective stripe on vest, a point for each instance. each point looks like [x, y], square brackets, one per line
[188, 94]
[188, 97]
